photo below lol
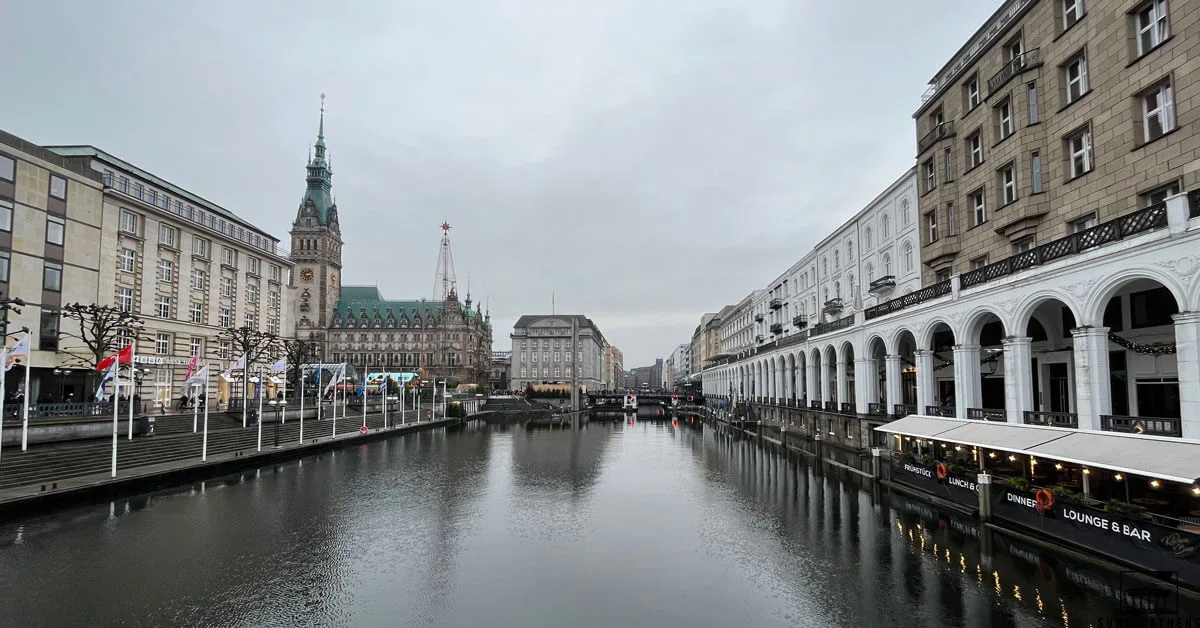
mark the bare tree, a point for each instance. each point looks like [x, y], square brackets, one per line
[256, 345]
[298, 353]
[98, 328]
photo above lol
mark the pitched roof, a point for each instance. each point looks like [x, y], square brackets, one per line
[356, 299]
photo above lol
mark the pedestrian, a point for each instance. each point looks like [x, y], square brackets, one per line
[183, 401]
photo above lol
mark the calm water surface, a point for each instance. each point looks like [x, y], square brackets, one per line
[604, 525]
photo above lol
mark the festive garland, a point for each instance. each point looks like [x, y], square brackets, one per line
[1161, 348]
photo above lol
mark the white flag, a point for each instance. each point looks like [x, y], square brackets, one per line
[109, 376]
[19, 350]
[279, 366]
[240, 364]
[198, 377]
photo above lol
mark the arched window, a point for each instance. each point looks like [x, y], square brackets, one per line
[870, 272]
[814, 302]
[837, 289]
[887, 226]
[908, 257]
[905, 215]
[825, 266]
[850, 251]
[826, 293]
[852, 291]
[867, 238]
[837, 260]
[887, 264]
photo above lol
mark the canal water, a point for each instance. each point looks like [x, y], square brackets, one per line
[604, 524]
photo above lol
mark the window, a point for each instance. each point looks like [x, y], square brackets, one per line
[226, 318]
[52, 277]
[1158, 111]
[6, 215]
[162, 344]
[1083, 224]
[128, 260]
[1004, 126]
[200, 247]
[849, 256]
[949, 159]
[908, 257]
[1035, 165]
[48, 330]
[250, 321]
[273, 300]
[930, 174]
[1159, 194]
[975, 149]
[1008, 183]
[1151, 23]
[942, 275]
[951, 220]
[887, 264]
[229, 257]
[166, 270]
[254, 264]
[7, 168]
[1024, 245]
[1072, 10]
[272, 326]
[162, 307]
[886, 226]
[978, 209]
[166, 235]
[1033, 106]
[1079, 151]
[199, 279]
[226, 286]
[129, 222]
[5, 259]
[1075, 77]
[195, 346]
[931, 226]
[125, 299]
[979, 262]
[196, 312]
[275, 272]
[58, 187]
[837, 257]
[55, 229]
[971, 89]
[867, 238]
[870, 277]
[251, 293]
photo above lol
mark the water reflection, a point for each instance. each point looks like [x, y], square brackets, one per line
[595, 522]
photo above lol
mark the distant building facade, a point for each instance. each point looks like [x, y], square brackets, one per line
[501, 366]
[541, 347]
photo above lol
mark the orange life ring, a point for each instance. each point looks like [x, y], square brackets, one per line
[1044, 500]
[942, 472]
[362, 429]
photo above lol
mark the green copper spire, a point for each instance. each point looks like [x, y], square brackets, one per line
[320, 175]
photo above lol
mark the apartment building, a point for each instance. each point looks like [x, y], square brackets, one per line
[189, 267]
[50, 233]
[1055, 117]
[737, 331]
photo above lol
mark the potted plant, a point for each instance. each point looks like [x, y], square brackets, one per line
[1019, 483]
[926, 459]
[1118, 507]
[1064, 494]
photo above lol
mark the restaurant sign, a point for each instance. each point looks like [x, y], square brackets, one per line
[1141, 542]
[938, 480]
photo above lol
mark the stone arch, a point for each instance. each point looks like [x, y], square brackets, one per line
[1029, 304]
[892, 341]
[925, 333]
[1097, 300]
[873, 337]
[976, 318]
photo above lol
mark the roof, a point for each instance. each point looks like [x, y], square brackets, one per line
[1172, 459]
[357, 299]
[529, 319]
[96, 153]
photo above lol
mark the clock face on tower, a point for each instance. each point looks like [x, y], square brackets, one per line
[306, 274]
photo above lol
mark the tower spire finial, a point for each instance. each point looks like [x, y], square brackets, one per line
[321, 128]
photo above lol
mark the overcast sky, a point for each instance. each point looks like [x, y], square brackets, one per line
[644, 160]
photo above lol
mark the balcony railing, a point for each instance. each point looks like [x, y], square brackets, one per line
[776, 303]
[825, 328]
[834, 305]
[1194, 204]
[776, 328]
[849, 408]
[1148, 219]
[815, 405]
[1151, 426]
[798, 322]
[759, 338]
[830, 406]
[1052, 419]
[946, 411]
[758, 318]
[928, 293]
[939, 132]
[1020, 64]
[883, 283]
[877, 409]
[903, 409]
[987, 414]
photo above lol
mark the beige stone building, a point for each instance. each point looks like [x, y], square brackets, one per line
[1055, 117]
[50, 233]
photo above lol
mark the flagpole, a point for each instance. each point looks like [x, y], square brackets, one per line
[132, 379]
[335, 387]
[204, 446]
[195, 412]
[384, 397]
[3, 372]
[116, 416]
[403, 398]
[28, 368]
[320, 391]
[259, 391]
[364, 395]
[245, 385]
[283, 387]
[301, 367]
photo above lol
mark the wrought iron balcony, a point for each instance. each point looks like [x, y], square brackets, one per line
[1020, 64]
[759, 338]
[1151, 426]
[1052, 419]
[903, 409]
[776, 328]
[877, 409]
[830, 406]
[946, 411]
[939, 132]
[824, 328]
[776, 303]
[814, 405]
[849, 408]
[1194, 204]
[987, 414]
[940, 289]
[884, 283]
[834, 305]
[758, 318]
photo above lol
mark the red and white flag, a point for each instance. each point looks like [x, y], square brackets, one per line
[124, 356]
[191, 367]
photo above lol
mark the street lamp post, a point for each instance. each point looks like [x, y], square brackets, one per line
[62, 386]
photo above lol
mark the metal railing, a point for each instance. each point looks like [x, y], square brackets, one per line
[944, 411]
[1052, 419]
[776, 328]
[1020, 64]
[776, 303]
[903, 409]
[1152, 426]
[886, 281]
[1194, 204]
[877, 409]
[1148, 219]
[848, 408]
[835, 304]
[830, 406]
[814, 405]
[758, 318]
[824, 328]
[939, 132]
[928, 293]
[798, 322]
[987, 414]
